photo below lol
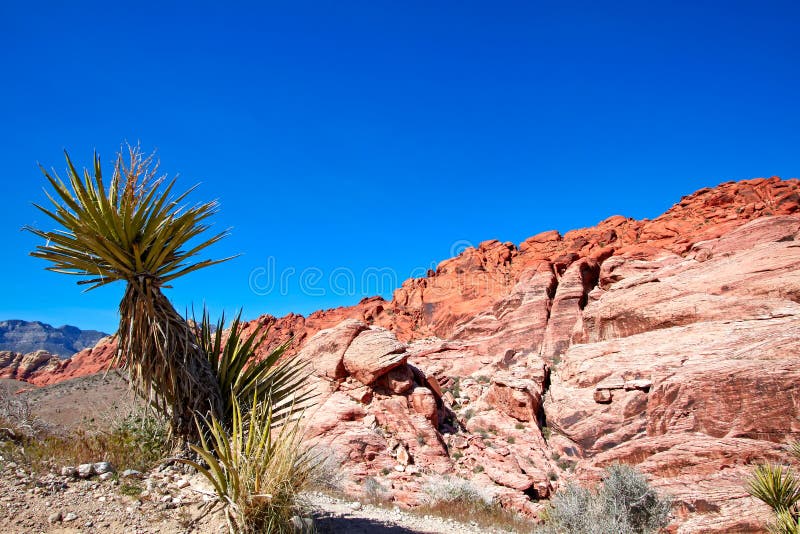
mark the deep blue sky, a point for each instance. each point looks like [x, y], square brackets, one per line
[384, 134]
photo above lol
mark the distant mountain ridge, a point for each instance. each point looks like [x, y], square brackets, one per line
[29, 336]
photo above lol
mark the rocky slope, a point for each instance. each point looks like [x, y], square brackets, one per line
[42, 368]
[31, 336]
[671, 344]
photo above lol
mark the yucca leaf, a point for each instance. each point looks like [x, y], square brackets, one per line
[776, 485]
[785, 522]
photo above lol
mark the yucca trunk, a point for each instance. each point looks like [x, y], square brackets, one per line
[164, 358]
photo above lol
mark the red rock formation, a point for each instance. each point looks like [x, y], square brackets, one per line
[671, 344]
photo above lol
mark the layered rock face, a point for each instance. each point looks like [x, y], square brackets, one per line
[42, 368]
[671, 344]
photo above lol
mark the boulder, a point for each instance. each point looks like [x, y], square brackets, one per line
[325, 350]
[372, 354]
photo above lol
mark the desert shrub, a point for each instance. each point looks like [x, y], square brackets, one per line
[625, 503]
[453, 497]
[328, 471]
[18, 419]
[275, 379]
[456, 490]
[565, 464]
[131, 489]
[456, 388]
[141, 439]
[256, 468]
[374, 492]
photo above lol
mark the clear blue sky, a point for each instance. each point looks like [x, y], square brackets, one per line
[379, 134]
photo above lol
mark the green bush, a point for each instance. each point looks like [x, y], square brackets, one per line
[141, 438]
[625, 503]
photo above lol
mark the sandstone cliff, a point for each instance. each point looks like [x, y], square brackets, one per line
[671, 344]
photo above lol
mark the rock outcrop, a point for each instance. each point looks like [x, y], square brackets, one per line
[42, 368]
[672, 344]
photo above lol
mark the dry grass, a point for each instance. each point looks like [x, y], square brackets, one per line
[136, 441]
[451, 497]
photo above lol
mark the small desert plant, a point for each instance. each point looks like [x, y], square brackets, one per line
[328, 471]
[451, 497]
[374, 492]
[18, 420]
[784, 523]
[776, 485]
[455, 389]
[140, 440]
[565, 464]
[625, 503]
[452, 490]
[779, 487]
[256, 468]
[131, 490]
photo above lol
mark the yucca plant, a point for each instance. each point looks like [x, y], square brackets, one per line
[778, 487]
[241, 375]
[257, 467]
[136, 231]
[785, 523]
